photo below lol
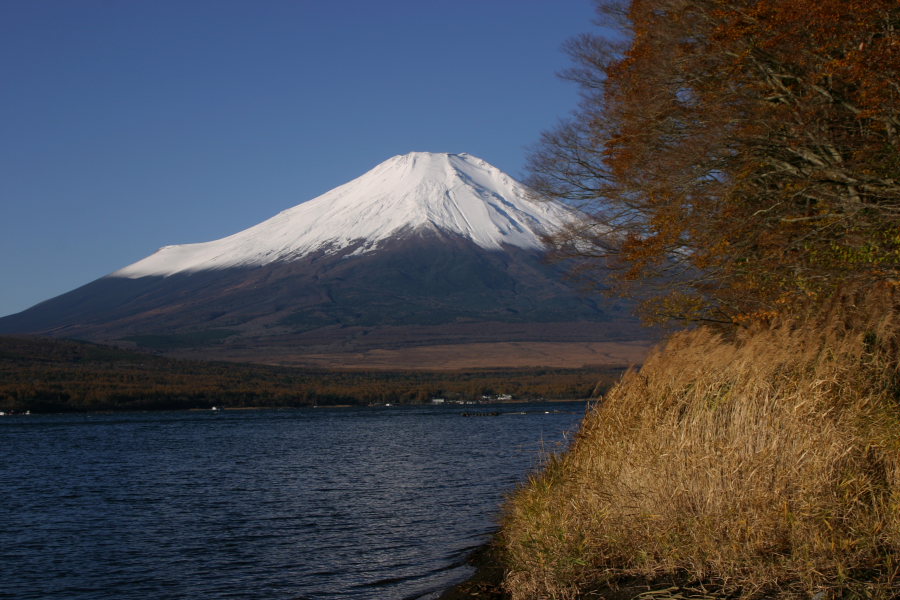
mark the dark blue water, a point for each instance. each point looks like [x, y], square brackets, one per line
[378, 503]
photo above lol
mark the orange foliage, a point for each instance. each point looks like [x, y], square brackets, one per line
[735, 152]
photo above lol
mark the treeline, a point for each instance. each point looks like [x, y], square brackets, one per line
[50, 375]
[738, 158]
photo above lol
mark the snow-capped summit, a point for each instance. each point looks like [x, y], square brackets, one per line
[423, 251]
[457, 194]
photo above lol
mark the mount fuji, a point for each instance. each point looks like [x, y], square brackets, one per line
[426, 249]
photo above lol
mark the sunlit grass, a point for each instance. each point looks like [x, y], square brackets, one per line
[766, 463]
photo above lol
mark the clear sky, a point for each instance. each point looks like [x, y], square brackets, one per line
[132, 124]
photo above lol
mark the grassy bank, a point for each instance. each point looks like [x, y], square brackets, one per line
[763, 463]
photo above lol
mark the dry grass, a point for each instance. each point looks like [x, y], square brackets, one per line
[449, 357]
[764, 464]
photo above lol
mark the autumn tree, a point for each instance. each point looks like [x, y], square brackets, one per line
[732, 156]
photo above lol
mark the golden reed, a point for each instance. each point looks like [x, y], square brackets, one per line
[764, 462]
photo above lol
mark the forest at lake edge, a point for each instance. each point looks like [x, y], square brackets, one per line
[50, 375]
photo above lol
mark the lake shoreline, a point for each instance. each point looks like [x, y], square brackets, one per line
[486, 582]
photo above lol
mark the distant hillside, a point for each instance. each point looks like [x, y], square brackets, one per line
[51, 375]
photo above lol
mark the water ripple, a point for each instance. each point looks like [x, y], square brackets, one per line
[274, 504]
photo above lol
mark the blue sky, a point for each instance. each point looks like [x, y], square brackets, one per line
[132, 124]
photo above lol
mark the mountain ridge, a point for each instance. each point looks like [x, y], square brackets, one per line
[424, 249]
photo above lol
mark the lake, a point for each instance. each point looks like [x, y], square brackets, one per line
[316, 503]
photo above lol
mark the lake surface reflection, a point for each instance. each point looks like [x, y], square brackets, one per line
[278, 504]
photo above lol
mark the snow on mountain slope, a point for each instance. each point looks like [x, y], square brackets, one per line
[453, 193]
